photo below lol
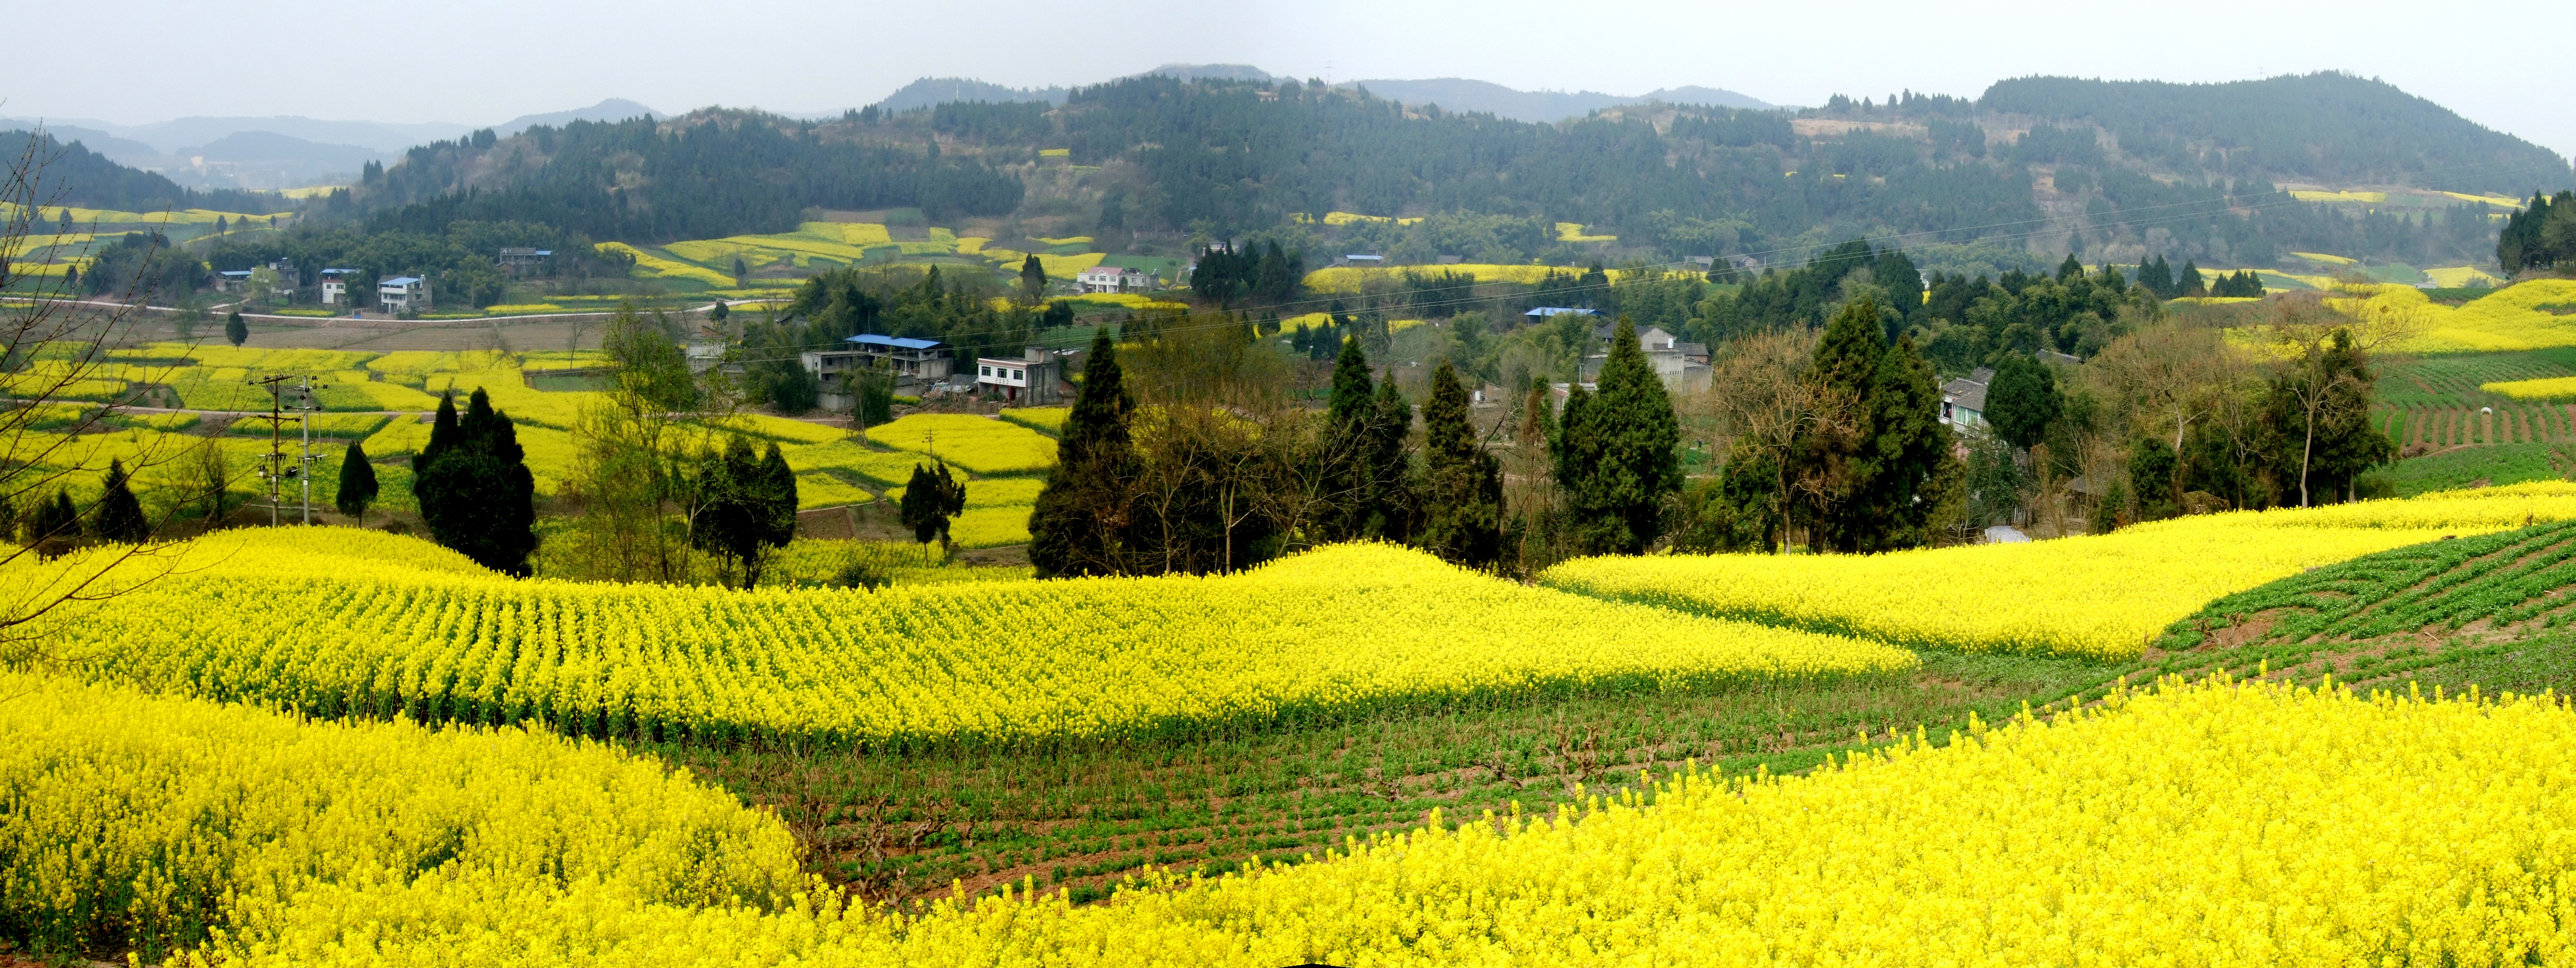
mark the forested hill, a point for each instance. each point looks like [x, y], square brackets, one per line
[76, 176]
[2327, 128]
[2038, 164]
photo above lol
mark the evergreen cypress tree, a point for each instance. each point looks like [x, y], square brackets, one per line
[930, 500]
[2022, 401]
[729, 519]
[1905, 451]
[1348, 445]
[357, 483]
[2070, 270]
[1079, 525]
[778, 488]
[1616, 458]
[475, 491]
[1826, 453]
[2189, 282]
[2152, 466]
[1033, 278]
[119, 517]
[1462, 483]
[54, 525]
[1391, 507]
[235, 331]
[2157, 277]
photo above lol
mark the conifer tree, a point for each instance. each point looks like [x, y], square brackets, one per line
[119, 516]
[930, 500]
[54, 525]
[778, 490]
[475, 491]
[1033, 279]
[2189, 282]
[1079, 525]
[1348, 445]
[235, 331]
[2022, 400]
[357, 483]
[1904, 453]
[1462, 483]
[1615, 453]
[1869, 460]
[1391, 508]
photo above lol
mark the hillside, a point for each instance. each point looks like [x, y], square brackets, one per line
[2328, 127]
[2116, 173]
[78, 177]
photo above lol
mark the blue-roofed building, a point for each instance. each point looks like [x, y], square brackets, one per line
[402, 294]
[1545, 312]
[915, 363]
[232, 280]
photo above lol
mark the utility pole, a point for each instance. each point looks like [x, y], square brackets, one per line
[275, 470]
[310, 395]
[276, 473]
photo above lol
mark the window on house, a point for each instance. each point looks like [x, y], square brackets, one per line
[987, 371]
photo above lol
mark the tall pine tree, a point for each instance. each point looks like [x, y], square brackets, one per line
[475, 491]
[1867, 464]
[119, 516]
[1616, 452]
[1033, 279]
[1392, 506]
[1462, 502]
[1079, 525]
[1349, 447]
[357, 483]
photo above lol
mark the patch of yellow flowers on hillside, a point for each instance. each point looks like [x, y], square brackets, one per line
[2098, 596]
[2217, 824]
[339, 622]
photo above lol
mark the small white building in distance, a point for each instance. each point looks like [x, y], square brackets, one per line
[403, 294]
[1031, 380]
[335, 286]
[1111, 279]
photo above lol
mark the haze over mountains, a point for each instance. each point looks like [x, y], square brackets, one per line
[283, 151]
[1450, 93]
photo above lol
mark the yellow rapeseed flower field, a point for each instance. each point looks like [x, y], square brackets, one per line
[141, 822]
[341, 622]
[2508, 319]
[979, 444]
[2218, 824]
[2102, 596]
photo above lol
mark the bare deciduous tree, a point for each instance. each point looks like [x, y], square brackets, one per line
[55, 348]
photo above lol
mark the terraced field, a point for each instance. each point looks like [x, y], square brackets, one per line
[2493, 610]
[2453, 432]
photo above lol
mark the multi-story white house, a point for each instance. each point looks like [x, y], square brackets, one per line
[335, 286]
[1033, 379]
[1113, 279]
[402, 294]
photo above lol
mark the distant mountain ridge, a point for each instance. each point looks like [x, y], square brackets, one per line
[1450, 93]
[219, 153]
[1462, 94]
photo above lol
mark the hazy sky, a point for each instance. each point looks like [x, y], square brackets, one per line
[481, 61]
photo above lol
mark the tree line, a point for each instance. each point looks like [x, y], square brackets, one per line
[2542, 235]
[1206, 474]
[711, 174]
[2175, 418]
